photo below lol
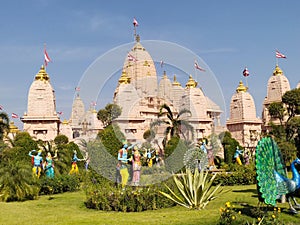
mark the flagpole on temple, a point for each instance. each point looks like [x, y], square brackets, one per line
[196, 74]
[44, 56]
[135, 24]
[246, 74]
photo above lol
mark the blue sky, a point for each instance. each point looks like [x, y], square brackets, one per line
[227, 35]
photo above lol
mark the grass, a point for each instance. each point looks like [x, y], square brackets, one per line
[68, 208]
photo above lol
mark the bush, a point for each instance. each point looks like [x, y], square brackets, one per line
[239, 175]
[59, 184]
[102, 194]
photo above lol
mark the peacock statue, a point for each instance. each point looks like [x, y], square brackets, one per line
[272, 180]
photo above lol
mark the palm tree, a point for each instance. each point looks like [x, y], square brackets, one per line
[174, 123]
[4, 124]
[17, 182]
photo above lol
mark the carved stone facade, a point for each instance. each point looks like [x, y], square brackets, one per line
[278, 84]
[140, 97]
[243, 124]
[41, 120]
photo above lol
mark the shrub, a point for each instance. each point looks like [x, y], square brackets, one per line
[238, 175]
[59, 184]
[102, 194]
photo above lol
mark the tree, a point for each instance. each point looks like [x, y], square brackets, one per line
[108, 114]
[289, 129]
[4, 124]
[111, 137]
[24, 140]
[291, 99]
[277, 110]
[61, 139]
[17, 182]
[175, 125]
[229, 145]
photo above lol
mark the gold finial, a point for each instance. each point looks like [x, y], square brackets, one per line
[124, 79]
[42, 74]
[65, 122]
[277, 71]
[13, 128]
[175, 82]
[137, 38]
[191, 83]
[241, 88]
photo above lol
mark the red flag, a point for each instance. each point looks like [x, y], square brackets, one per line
[93, 103]
[135, 22]
[77, 89]
[13, 115]
[46, 57]
[60, 113]
[246, 72]
[131, 58]
[1, 107]
[280, 55]
[198, 67]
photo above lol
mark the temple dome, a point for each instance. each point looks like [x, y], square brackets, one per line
[242, 107]
[41, 98]
[78, 111]
[141, 70]
[278, 84]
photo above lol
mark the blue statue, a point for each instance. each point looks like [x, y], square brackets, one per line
[37, 162]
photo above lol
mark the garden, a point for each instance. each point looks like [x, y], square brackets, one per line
[60, 182]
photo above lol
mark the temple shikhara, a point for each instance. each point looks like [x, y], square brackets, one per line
[140, 94]
[41, 120]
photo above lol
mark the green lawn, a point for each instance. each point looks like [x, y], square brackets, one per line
[68, 208]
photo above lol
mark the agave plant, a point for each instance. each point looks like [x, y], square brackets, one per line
[195, 189]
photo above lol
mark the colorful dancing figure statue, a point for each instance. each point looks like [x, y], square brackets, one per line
[237, 155]
[74, 168]
[148, 154]
[49, 166]
[203, 147]
[37, 162]
[123, 160]
[136, 167]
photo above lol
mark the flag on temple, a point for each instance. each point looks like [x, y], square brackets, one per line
[46, 57]
[77, 89]
[161, 63]
[93, 103]
[246, 72]
[135, 22]
[60, 113]
[198, 67]
[1, 107]
[131, 58]
[280, 55]
[13, 115]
